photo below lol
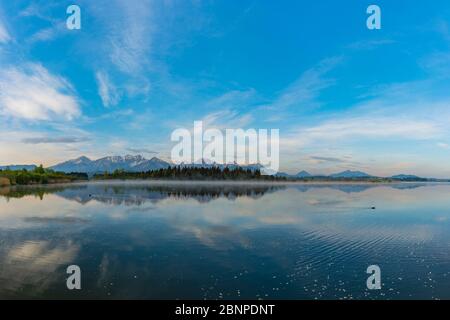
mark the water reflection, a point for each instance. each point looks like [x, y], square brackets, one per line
[171, 240]
[139, 193]
[136, 193]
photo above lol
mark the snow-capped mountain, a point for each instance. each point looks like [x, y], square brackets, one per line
[81, 164]
[136, 164]
[152, 164]
[109, 164]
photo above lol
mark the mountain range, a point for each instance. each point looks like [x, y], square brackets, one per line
[343, 174]
[133, 164]
[349, 174]
[138, 163]
[109, 164]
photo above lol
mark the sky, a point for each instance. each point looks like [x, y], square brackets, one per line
[342, 96]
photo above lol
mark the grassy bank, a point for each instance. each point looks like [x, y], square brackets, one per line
[4, 182]
[37, 176]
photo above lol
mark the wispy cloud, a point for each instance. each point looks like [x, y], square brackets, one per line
[370, 44]
[54, 140]
[129, 35]
[226, 119]
[49, 33]
[107, 91]
[437, 63]
[371, 127]
[232, 99]
[403, 115]
[361, 128]
[4, 34]
[55, 26]
[141, 150]
[336, 163]
[304, 91]
[35, 10]
[327, 159]
[31, 92]
[443, 145]
[35, 147]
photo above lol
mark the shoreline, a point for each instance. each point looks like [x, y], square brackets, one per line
[218, 182]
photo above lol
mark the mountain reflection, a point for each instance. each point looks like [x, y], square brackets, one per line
[132, 193]
[138, 194]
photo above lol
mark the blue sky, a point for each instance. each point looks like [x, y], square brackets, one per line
[343, 96]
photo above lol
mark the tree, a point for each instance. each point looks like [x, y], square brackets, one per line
[39, 170]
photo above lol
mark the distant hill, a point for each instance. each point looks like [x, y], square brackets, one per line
[19, 167]
[303, 174]
[406, 177]
[110, 164]
[350, 174]
[282, 175]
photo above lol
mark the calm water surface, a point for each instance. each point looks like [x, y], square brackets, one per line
[232, 241]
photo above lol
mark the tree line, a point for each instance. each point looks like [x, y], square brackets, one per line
[189, 173]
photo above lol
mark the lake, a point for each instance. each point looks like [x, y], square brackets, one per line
[180, 240]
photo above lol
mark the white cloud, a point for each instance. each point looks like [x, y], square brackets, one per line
[437, 63]
[407, 115]
[4, 35]
[129, 35]
[370, 44]
[54, 27]
[443, 145]
[232, 99]
[347, 131]
[43, 35]
[226, 119]
[304, 91]
[35, 10]
[47, 139]
[29, 143]
[107, 91]
[31, 92]
[409, 111]
[49, 33]
[369, 127]
[225, 109]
